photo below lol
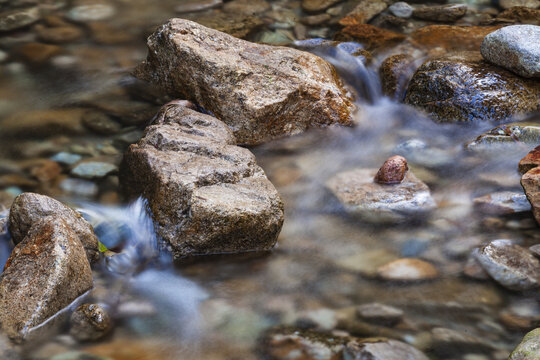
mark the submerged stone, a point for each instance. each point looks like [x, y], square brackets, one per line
[264, 92]
[45, 273]
[28, 208]
[511, 134]
[463, 88]
[516, 48]
[206, 194]
[502, 202]
[15, 19]
[90, 322]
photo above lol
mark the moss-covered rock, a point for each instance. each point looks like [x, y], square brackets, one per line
[529, 348]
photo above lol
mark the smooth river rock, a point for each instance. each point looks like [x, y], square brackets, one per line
[511, 265]
[444, 13]
[530, 161]
[464, 88]
[261, 92]
[452, 37]
[529, 348]
[90, 322]
[516, 48]
[381, 349]
[206, 194]
[28, 208]
[45, 273]
[381, 203]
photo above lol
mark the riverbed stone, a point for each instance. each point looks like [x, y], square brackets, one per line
[507, 4]
[452, 37]
[90, 322]
[313, 6]
[443, 13]
[502, 203]
[460, 88]
[516, 48]
[188, 167]
[395, 72]
[401, 9]
[380, 314]
[29, 208]
[529, 348]
[507, 135]
[520, 15]
[371, 37]
[448, 343]
[361, 196]
[43, 123]
[18, 18]
[364, 12]
[265, 92]
[530, 181]
[248, 7]
[530, 161]
[45, 273]
[381, 349]
[511, 265]
[88, 169]
[408, 269]
[58, 34]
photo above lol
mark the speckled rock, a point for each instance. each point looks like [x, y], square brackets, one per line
[381, 349]
[443, 13]
[520, 15]
[516, 48]
[45, 273]
[507, 135]
[191, 172]
[235, 24]
[292, 343]
[395, 72]
[393, 171]
[530, 161]
[18, 18]
[259, 92]
[511, 265]
[29, 208]
[377, 203]
[452, 37]
[90, 322]
[408, 269]
[379, 314]
[460, 88]
[401, 9]
[529, 348]
[371, 37]
[530, 181]
[364, 12]
[501, 203]
[507, 4]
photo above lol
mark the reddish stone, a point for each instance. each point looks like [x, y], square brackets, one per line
[370, 36]
[393, 170]
[451, 37]
[530, 161]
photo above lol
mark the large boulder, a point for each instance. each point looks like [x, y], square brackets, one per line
[516, 48]
[46, 272]
[463, 87]
[260, 91]
[529, 348]
[206, 194]
[28, 208]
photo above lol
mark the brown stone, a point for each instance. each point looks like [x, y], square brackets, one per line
[90, 322]
[45, 273]
[60, 34]
[451, 37]
[408, 269]
[530, 182]
[392, 171]
[317, 5]
[247, 7]
[29, 208]
[395, 72]
[530, 161]
[105, 34]
[43, 123]
[371, 37]
[520, 15]
[38, 53]
[264, 91]
[364, 12]
[443, 13]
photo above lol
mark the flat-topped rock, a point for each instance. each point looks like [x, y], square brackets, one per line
[46, 272]
[261, 92]
[443, 13]
[380, 203]
[206, 194]
[516, 48]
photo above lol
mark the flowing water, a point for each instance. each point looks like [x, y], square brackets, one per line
[325, 260]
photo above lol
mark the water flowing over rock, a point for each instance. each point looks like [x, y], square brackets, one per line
[380, 203]
[516, 48]
[262, 92]
[90, 322]
[28, 208]
[383, 349]
[206, 194]
[507, 135]
[45, 273]
[529, 348]
[511, 265]
[463, 87]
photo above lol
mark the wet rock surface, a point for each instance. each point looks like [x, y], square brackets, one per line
[516, 48]
[258, 96]
[378, 203]
[28, 208]
[511, 265]
[452, 37]
[45, 273]
[191, 172]
[395, 72]
[503, 202]
[507, 135]
[382, 350]
[443, 13]
[393, 171]
[371, 37]
[529, 348]
[90, 322]
[460, 88]
[408, 269]
[379, 314]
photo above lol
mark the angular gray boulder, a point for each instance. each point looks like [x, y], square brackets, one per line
[206, 194]
[262, 92]
[29, 208]
[45, 273]
[516, 48]
[463, 87]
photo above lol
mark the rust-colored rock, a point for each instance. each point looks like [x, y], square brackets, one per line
[392, 171]
[395, 72]
[530, 182]
[262, 92]
[519, 15]
[451, 37]
[530, 161]
[370, 36]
